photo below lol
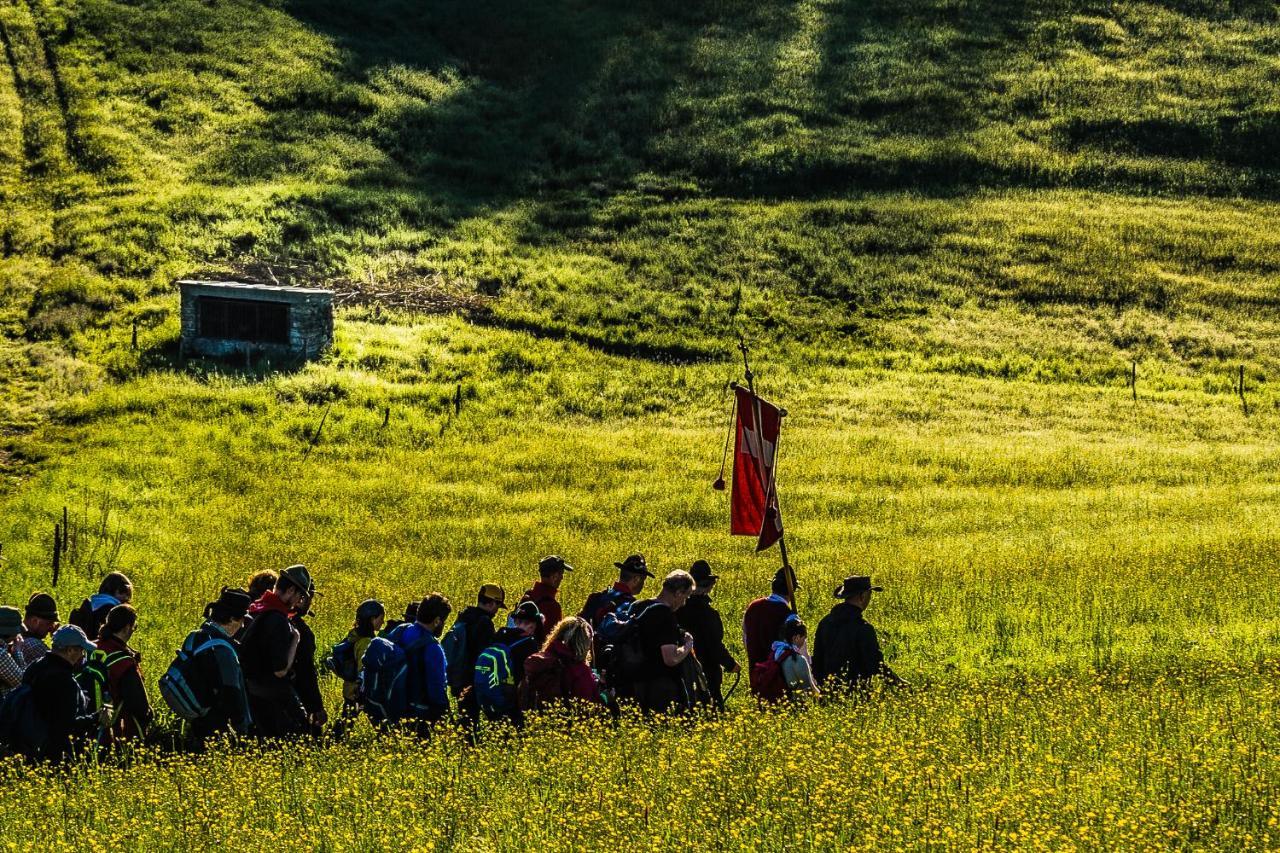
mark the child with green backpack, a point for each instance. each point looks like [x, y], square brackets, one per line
[346, 659]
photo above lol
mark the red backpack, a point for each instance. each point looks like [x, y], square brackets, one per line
[543, 681]
[767, 681]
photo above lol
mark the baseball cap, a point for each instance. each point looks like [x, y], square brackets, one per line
[71, 637]
[495, 593]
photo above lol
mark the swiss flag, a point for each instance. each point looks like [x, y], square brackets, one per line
[754, 500]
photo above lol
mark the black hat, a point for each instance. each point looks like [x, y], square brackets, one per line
[780, 577]
[527, 611]
[232, 603]
[553, 563]
[702, 574]
[301, 578]
[42, 604]
[635, 564]
[856, 585]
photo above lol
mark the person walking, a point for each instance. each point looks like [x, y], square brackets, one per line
[305, 676]
[215, 670]
[472, 632]
[499, 668]
[348, 663]
[545, 593]
[846, 649]
[560, 674]
[41, 620]
[267, 653]
[121, 665]
[427, 684]
[67, 719]
[701, 619]
[763, 619]
[12, 663]
[660, 685]
[791, 652]
[115, 589]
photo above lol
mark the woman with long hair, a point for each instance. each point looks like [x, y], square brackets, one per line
[561, 672]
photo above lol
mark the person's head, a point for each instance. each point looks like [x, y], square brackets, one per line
[261, 582]
[574, 632]
[633, 572]
[369, 617]
[70, 644]
[676, 589]
[294, 587]
[551, 570]
[784, 583]
[41, 615]
[121, 622]
[856, 590]
[411, 612]
[491, 598]
[703, 577]
[527, 618]
[10, 624]
[793, 632]
[229, 610]
[118, 587]
[432, 612]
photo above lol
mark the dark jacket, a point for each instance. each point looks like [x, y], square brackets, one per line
[62, 706]
[269, 646]
[480, 633]
[306, 680]
[846, 649]
[703, 621]
[92, 612]
[128, 695]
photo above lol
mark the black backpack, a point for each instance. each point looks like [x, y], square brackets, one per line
[22, 730]
[623, 656]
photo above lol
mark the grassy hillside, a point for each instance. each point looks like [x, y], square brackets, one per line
[949, 228]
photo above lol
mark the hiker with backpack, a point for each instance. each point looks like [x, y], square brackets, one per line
[305, 676]
[632, 573]
[701, 619]
[499, 668]
[267, 652]
[205, 685]
[48, 718]
[846, 650]
[12, 664]
[346, 658]
[762, 622]
[657, 681]
[560, 674]
[112, 674]
[472, 631]
[407, 675]
[787, 672]
[115, 589]
[545, 593]
[40, 621]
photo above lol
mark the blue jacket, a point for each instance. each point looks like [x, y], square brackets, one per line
[427, 682]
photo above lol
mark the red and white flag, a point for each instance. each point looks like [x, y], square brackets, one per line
[754, 500]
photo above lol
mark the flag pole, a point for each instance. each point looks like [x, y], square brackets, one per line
[787, 571]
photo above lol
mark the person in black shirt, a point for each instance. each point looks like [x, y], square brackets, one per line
[58, 702]
[846, 649]
[666, 647]
[267, 654]
[703, 621]
[306, 680]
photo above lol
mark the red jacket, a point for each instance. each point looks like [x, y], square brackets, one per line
[128, 696]
[760, 626]
[544, 595]
[542, 686]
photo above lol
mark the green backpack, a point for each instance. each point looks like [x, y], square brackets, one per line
[93, 677]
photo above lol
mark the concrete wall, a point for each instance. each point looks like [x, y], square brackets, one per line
[310, 320]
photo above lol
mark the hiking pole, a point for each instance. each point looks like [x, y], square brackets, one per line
[718, 485]
[737, 677]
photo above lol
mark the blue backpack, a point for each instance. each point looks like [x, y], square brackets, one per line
[382, 681]
[494, 683]
[341, 660]
[22, 730]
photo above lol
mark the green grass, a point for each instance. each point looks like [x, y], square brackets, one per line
[949, 229]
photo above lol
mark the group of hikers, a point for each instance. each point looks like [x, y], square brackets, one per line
[252, 667]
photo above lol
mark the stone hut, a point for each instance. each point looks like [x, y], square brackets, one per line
[231, 318]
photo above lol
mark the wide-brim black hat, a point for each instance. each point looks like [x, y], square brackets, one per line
[636, 565]
[856, 585]
[702, 574]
